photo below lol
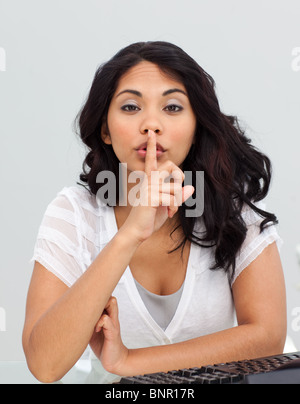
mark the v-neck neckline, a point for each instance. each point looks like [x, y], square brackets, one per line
[134, 295]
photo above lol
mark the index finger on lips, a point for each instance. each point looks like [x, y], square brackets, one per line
[151, 159]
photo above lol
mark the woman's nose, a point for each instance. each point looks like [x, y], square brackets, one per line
[151, 123]
[157, 131]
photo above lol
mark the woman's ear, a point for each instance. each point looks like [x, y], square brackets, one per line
[105, 135]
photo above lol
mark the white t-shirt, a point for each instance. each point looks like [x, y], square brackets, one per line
[76, 227]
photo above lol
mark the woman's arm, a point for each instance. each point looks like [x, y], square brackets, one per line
[259, 295]
[59, 320]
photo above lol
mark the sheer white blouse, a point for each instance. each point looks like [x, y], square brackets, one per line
[75, 229]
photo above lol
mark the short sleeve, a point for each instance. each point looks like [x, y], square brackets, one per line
[255, 241]
[60, 246]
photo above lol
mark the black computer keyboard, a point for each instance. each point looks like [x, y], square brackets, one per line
[224, 373]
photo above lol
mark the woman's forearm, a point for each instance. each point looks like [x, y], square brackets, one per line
[61, 335]
[243, 342]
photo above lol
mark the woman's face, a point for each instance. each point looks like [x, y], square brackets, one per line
[146, 98]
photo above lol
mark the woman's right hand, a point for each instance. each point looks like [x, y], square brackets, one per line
[157, 200]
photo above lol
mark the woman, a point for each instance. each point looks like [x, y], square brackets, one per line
[179, 281]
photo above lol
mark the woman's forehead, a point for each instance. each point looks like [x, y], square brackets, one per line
[146, 74]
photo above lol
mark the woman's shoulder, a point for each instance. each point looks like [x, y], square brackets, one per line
[78, 207]
[78, 198]
[249, 215]
[77, 194]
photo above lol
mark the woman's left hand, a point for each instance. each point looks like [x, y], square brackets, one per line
[111, 351]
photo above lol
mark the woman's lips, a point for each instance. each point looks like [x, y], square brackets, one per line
[144, 146]
[143, 152]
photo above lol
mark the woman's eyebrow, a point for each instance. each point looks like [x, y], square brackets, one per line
[131, 92]
[139, 94]
[174, 90]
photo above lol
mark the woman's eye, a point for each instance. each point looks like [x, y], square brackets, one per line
[130, 108]
[173, 108]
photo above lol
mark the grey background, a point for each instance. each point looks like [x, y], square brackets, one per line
[53, 49]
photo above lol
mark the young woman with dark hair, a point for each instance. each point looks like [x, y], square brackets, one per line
[188, 290]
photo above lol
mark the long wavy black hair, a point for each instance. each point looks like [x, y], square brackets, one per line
[235, 172]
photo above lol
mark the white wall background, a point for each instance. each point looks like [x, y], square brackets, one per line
[52, 50]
